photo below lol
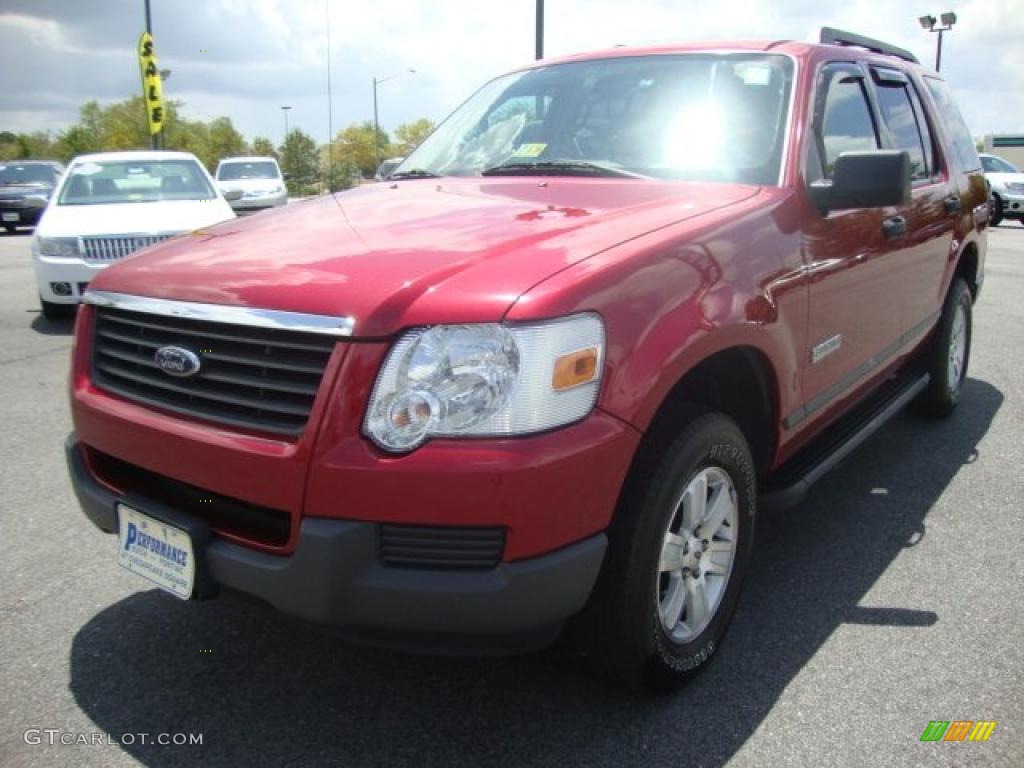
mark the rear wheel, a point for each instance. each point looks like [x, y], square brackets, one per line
[679, 550]
[949, 354]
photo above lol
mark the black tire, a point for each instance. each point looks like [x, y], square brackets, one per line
[622, 627]
[57, 312]
[942, 395]
[996, 214]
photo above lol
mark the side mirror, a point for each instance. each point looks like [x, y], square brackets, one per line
[286, 176]
[864, 180]
[233, 194]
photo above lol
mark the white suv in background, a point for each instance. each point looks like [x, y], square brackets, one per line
[1007, 183]
[259, 179]
[109, 205]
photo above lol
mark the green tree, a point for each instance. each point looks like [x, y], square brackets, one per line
[224, 141]
[299, 160]
[263, 147]
[410, 135]
[356, 144]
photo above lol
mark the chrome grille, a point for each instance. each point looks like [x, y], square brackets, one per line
[112, 248]
[259, 379]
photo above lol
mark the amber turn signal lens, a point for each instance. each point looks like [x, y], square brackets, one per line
[574, 369]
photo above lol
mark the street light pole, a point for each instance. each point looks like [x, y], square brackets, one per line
[376, 128]
[927, 23]
[285, 110]
[376, 123]
[538, 49]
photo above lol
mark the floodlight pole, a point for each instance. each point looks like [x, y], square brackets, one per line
[928, 24]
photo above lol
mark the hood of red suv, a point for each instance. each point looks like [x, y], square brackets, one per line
[412, 253]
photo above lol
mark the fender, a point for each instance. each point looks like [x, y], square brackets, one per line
[675, 297]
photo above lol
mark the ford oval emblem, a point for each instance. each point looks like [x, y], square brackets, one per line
[177, 361]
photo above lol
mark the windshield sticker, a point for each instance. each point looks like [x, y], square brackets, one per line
[529, 150]
[88, 169]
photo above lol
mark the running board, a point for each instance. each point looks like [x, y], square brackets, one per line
[790, 483]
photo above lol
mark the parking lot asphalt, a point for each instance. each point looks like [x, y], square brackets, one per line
[891, 597]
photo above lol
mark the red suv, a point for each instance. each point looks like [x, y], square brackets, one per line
[551, 368]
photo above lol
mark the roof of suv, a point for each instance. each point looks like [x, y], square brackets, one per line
[790, 47]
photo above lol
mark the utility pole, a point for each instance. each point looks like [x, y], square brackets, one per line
[539, 43]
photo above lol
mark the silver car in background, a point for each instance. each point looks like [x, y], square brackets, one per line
[258, 178]
[1007, 182]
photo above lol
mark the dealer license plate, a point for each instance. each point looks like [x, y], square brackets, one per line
[156, 551]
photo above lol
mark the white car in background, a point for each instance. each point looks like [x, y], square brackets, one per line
[259, 179]
[109, 205]
[1007, 184]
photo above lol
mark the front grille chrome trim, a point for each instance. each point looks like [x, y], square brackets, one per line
[328, 325]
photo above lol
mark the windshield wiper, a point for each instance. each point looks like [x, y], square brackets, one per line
[560, 168]
[415, 173]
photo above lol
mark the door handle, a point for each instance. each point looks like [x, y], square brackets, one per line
[894, 226]
[953, 204]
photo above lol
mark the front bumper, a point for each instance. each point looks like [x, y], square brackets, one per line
[20, 216]
[334, 577]
[75, 272]
[255, 203]
[1013, 205]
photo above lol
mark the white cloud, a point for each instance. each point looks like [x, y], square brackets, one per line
[246, 58]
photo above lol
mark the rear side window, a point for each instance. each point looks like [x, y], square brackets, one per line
[899, 115]
[846, 122]
[963, 145]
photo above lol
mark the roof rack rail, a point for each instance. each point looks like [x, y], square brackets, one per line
[832, 36]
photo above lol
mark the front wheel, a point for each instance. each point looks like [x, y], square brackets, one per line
[996, 213]
[949, 354]
[679, 550]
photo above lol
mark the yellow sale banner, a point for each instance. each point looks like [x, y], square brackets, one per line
[152, 88]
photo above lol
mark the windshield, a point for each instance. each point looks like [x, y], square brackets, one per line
[26, 173]
[702, 117]
[135, 181]
[997, 165]
[261, 169]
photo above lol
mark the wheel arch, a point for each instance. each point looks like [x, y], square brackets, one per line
[967, 266]
[738, 381]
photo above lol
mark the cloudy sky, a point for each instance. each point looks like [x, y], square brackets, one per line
[246, 58]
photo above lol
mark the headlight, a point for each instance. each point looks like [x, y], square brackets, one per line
[486, 380]
[66, 247]
[37, 199]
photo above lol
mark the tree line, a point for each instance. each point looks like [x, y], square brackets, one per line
[351, 156]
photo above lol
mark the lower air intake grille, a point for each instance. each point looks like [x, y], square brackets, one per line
[449, 547]
[261, 379]
[222, 513]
